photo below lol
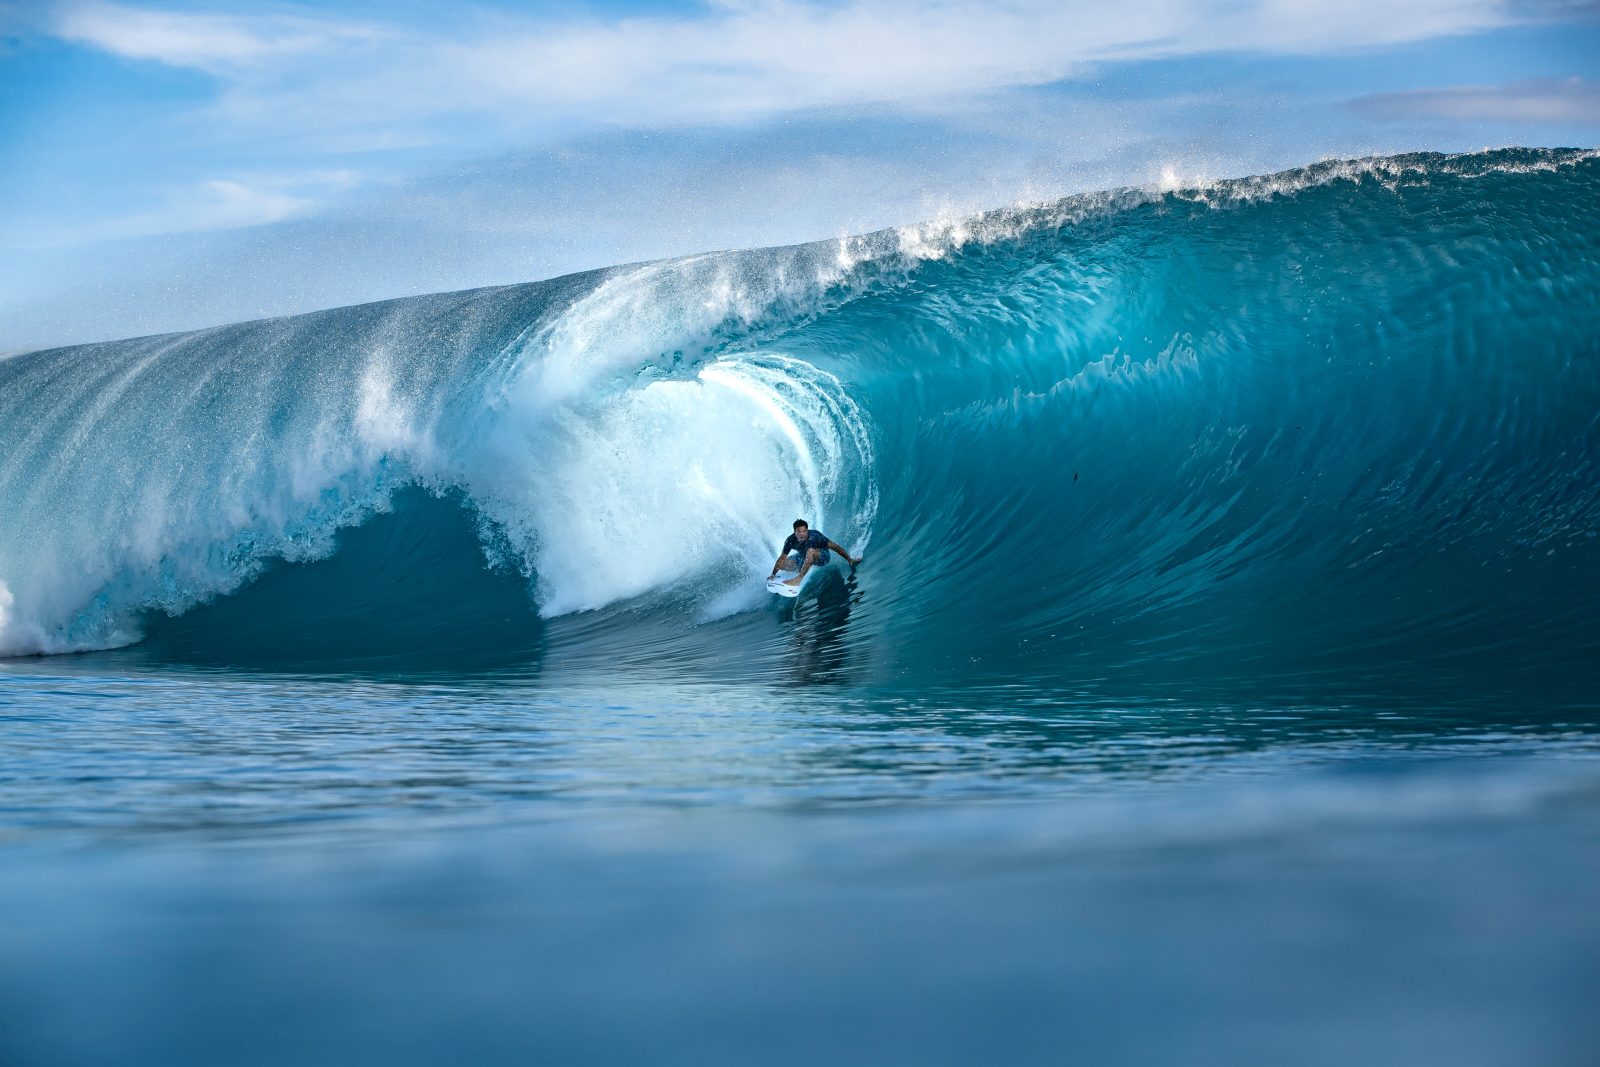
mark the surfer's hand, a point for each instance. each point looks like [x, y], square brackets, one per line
[855, 561]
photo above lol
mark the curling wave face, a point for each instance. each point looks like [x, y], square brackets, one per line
[1338, 424]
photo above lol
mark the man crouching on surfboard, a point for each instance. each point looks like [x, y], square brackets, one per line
[813, 546]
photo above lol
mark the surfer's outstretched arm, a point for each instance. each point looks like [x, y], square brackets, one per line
[841, 550]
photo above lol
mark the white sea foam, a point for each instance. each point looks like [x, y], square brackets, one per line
[947, 235]
[674, 480]
[10, 638]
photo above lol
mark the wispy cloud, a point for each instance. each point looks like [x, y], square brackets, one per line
[732, 61]
[1542, 102]
[216, 43]
[222, 204]
[229, 203]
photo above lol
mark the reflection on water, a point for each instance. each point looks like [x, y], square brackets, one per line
[92, 753]
[816, 628]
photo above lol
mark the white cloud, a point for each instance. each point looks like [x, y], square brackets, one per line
[734, 61]
[222, 204]
[210, 42]
[1543, 101]
[214, 204]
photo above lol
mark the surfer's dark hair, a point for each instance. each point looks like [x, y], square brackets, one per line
[801, 522]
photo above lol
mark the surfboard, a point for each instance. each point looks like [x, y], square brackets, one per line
[778, 583]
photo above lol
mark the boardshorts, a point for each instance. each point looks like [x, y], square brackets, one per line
[823, 556]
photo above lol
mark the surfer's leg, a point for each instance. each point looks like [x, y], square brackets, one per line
[811, 558]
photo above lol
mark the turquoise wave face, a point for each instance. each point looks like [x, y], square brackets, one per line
[1331, 428]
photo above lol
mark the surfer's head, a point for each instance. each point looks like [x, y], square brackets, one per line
[801, 528]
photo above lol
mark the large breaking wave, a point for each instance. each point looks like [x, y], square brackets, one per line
[1339, 423]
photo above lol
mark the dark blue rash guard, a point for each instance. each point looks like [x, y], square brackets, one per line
[813, 540]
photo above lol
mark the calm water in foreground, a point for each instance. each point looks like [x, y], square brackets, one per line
[212, 867]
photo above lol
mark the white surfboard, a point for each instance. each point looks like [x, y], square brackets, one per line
[779, 583]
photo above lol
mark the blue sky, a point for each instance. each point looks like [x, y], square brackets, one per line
[174, 165]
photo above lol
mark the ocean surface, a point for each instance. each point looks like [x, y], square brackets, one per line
[396, 683]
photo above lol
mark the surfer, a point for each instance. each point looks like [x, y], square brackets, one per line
[812, 546]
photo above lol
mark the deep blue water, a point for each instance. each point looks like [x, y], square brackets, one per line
[395, 683]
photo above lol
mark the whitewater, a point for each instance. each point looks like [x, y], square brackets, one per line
[1226, 634]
